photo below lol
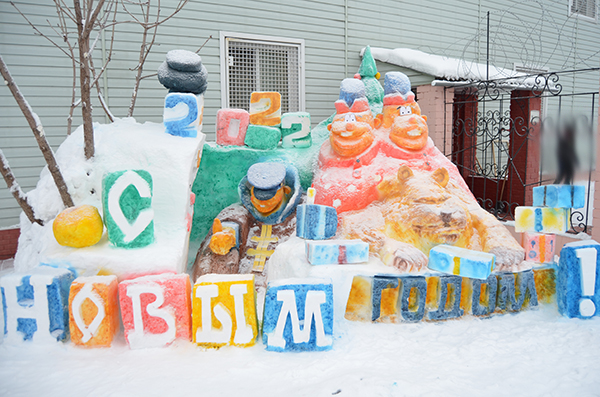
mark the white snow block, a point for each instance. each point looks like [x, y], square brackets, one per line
[172, 162]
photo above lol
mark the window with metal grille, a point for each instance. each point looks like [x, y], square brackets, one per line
[257, 63]
[583, 8]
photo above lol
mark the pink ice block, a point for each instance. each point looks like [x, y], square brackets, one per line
[156, 309]
[231, 126]
[539, 247]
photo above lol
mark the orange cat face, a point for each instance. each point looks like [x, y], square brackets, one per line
[351, 132]
[408, 128]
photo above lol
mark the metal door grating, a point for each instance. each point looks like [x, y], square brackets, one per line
[258, 66]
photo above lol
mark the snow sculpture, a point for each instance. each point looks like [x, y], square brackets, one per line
[127, 207]
[434, 297]
[269, 193]
[541, 219]
[186, 78]
[78, 227]
[262, 137]
[578, 280]
[94, 311]
[298, 315]
[352, 125]
[559, 196]
[228, 300]
[447, 298]
[183, 71]
[367, 72]
[183, 114]
[539, 247]
[316, 222]
[330, 252]
[156, 309]
[36, 305]
[295, 130]
[265, 108]
[418, 211]
[232, 125]
[516, 291]
[479, 301]
[350, 168]
[461, 261]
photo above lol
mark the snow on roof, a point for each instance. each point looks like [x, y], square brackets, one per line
[441, 67]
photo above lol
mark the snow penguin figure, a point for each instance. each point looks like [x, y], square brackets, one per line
[245, 235]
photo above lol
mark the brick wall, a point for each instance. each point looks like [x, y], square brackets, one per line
[9, 239]
[431, 102]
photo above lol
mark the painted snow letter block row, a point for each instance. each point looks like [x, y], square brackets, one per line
[394, 299]
[94, 311]
[333, 252]
[234, 128]
[35, 305]
[316, 222]
[263, 127]
[539, 247]
[541, 220]
[578, 280]
[156, 309]
[461, 261]
[559, 196]
[183, 114]
[224, 310]
[298, 315]
[127, 206]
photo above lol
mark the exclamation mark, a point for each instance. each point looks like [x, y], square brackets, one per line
[587, 262]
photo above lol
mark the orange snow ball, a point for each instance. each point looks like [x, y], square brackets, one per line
[78, 227]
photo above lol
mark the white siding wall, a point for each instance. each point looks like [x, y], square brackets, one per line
[437, 26]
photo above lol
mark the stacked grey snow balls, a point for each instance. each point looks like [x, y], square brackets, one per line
[183, 72]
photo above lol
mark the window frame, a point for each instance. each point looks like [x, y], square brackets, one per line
[583, 16]
[225, 36]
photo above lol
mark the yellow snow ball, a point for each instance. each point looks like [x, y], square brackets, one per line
[78, 227]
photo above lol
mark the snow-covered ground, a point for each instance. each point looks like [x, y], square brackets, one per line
[534, 353]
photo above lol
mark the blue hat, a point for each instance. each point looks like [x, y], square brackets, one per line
[351, 90]
[258, 177]
[396, 83]
[266, 179]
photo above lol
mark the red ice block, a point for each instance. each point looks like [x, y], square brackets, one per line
[231, 126]
[156, 309]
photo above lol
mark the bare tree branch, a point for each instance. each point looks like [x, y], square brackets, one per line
[38, 31]
[83, 42]
[16, 190]
[64, 33]
[38, 131]
[96, 83]
[145, 47]
[202, 46]
[94, 16]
